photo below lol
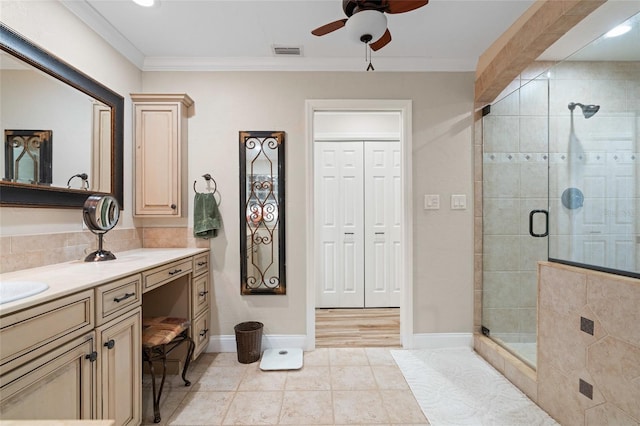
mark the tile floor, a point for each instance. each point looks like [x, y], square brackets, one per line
[336, 386]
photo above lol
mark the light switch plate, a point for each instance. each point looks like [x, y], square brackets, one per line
[458, 201]
[431, 202]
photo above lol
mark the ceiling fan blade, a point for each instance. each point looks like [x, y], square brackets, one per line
[330, 27]
[381, 42]
[402, 6]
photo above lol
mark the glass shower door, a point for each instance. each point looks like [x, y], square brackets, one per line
[515, 184]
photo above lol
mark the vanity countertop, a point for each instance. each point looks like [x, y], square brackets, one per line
[74, 276]
[57, 422]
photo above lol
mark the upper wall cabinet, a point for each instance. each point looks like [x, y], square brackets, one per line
[160, 126]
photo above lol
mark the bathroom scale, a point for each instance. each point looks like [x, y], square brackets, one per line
[281, 359]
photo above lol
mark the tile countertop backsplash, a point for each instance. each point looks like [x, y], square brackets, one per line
[70, 277]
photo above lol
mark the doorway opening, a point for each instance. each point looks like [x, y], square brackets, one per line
[355, 126]
[358, 328]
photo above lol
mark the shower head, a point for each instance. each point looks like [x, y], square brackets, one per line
[587, 110]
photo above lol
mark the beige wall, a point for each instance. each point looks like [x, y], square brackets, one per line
[227, 102]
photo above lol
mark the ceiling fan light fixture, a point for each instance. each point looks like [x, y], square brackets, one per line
[367, 25]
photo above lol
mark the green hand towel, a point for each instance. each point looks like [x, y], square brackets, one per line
[206, 216]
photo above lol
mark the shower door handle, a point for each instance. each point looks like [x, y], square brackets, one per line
[546, 223]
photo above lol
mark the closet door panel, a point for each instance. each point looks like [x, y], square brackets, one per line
[338, 195]
[382, 220]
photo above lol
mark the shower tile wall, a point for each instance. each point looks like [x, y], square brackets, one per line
[515, 156]
[603, 231]
[515, 182]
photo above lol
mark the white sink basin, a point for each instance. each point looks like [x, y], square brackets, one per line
[15, 290]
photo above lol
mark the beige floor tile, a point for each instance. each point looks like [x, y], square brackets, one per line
[379, 356]
[344, 386]
[220, 379]
[309, 378]
[359, 407]
[258, 380]
[319, 356]
[254, 408]
[389, 377]
[226, 358]
[352, 378]
[169, 401]
[202, 408]
[307, 408]
[348, 356]
[402, 407]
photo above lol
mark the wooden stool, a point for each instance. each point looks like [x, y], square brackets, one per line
[160, 336]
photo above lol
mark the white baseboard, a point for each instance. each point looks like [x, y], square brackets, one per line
[442, 340]
[227, 342]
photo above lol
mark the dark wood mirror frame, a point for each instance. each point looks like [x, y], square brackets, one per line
[24, 195]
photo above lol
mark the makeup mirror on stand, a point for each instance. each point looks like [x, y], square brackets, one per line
[100, 213]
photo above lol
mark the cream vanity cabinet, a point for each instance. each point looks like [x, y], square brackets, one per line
[181, 288]
[160, 138]
[119, 319]
[200, 303]
[48, 368]
[80, 356]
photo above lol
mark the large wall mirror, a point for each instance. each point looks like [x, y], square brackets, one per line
[262, 236]
[62, 131]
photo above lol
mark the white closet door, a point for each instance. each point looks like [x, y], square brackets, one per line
[339, 224]
[383, 215]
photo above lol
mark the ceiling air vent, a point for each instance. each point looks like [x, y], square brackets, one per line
[287, 51]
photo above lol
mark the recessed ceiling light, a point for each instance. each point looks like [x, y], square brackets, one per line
[145, 3]
[618, 31]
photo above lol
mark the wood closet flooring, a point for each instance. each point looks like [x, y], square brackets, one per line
[370, 327]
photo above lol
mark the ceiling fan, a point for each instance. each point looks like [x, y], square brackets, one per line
[366, 19]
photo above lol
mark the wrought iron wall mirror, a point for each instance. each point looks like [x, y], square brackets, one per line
[262, 218]
[88, 142]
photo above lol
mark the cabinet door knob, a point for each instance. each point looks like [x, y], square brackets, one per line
[92, 356]
[204, 332]
[203, 293]
[110, 344]
[173, 206]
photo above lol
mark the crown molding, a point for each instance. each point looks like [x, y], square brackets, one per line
[397, 64]
[102, 27]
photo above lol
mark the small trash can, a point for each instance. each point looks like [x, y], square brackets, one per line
[248, 341]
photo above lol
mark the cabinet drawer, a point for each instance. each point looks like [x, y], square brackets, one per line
[36, 330]
[200, 294]
[201, 263]
[157, 276]
[200, 330]
[116, 298]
